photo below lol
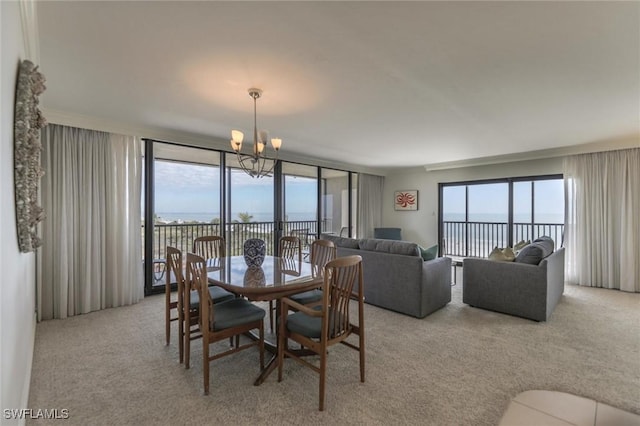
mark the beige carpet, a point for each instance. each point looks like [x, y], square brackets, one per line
[458, 366]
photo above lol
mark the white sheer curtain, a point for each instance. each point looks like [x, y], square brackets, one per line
[91, 256]
[370, 195]
[602, 231]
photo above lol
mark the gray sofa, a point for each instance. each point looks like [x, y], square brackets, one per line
[516, 288]
[396, 277]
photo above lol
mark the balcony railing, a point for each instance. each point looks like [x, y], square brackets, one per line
[181, 235]
[477, 239]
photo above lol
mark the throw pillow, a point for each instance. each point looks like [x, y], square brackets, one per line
[547, 245]
[520, 245]
[536, 251]
[508, 253]
[502, 255]
[429, 253]
[531, 254]
[497, 255]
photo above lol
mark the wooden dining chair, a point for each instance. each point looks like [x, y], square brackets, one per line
[322, 251]
[186, 304]
[290, 251]
[290, 248]
[174, 272]
[319, 326]
[303, 235]
[218, 321]
[210, 247]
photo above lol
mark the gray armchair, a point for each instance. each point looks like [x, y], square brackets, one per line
[387, 233]
[524, 290]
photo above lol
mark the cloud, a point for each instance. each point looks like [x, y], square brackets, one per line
[182, 176]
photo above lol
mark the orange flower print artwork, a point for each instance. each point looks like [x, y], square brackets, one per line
[406, 200]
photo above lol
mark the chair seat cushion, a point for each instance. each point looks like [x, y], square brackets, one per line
[307, 297]
[236, 312]
[306, 325]
[218, 294]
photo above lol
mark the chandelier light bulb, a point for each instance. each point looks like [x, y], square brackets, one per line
[237, 136]
[236, 140]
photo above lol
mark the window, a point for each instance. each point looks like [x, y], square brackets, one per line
[186, 202]
[300, 201]
[335, 202]
[477, 216]
[250, 208]
[191, 192]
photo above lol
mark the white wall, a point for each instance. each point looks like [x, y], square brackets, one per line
[421, 226]
[17, 307]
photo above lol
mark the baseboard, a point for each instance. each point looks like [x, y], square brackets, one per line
[26, 386]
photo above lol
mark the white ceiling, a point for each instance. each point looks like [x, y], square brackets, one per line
[377, 84]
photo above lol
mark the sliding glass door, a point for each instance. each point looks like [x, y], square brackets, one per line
[336, 210]
[300, 202]
[192, 192]
[250, 208]
[538, 209]
[186, 202]
[477, 216]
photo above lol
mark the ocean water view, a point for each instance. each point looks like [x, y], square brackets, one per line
[502, 218]
[207, 217]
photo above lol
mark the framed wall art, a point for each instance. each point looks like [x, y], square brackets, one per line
[406, 199]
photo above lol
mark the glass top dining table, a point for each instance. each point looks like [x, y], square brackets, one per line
[275, 278]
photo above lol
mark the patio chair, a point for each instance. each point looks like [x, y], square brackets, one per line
[223, 320]
[326, 323]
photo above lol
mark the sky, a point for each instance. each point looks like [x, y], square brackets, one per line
[191, 188]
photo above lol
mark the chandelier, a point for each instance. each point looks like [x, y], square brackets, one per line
[256, 165]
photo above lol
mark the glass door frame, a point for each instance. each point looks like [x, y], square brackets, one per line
[510, 181]
[225, 203]
[149, 208]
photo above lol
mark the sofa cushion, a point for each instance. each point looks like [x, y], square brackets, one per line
[390, 246]
[533, 253]
[429, 253]
[341, 241]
